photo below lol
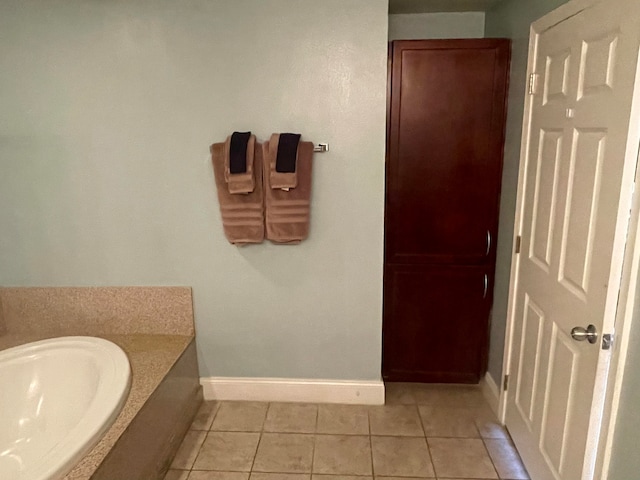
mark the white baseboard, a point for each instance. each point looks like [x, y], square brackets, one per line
[491, 392]
[293, 390]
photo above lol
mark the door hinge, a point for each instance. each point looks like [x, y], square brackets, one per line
[518, 242]
[505, 383]
[533, 83]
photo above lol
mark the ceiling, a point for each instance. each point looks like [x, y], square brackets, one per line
[429, 6]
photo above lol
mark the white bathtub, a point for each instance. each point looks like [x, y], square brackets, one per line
[57, 398]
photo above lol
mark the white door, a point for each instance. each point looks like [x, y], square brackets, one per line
[575, 191]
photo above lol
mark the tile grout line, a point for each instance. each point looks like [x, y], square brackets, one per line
[285, 432]
[315, 437]
[493, 464]
[426, 441]
[373, 471]
[484, 444]
[206, 435]
[215, 415]
[315, 434]
[255, 455]
[424, 432]
[199, 451]
[266, 416]
[207, 430]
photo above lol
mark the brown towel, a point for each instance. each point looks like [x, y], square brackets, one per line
[242, 215]
[282, 180]
[288, 212]
[240, 182]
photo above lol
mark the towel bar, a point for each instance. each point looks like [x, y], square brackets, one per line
[321, 147]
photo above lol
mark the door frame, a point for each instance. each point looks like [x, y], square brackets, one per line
[611, 367]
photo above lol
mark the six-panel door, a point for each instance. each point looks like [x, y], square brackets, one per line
[577, 188]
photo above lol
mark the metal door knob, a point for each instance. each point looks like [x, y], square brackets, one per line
[581, 334]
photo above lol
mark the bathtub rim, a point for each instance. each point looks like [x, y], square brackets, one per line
[115, 368]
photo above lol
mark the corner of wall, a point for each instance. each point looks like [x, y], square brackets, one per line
[490, 392]
[489, 18]
[510, 19]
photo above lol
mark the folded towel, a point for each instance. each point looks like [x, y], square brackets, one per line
[288, 212]
[242, 215]
[239, 152]
[283, 170]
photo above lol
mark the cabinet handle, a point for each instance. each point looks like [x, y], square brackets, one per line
[488, 243]
[486, 286]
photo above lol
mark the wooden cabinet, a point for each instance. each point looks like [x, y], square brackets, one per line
[438, 332]
[444, 164]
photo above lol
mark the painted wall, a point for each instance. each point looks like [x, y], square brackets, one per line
[436, 25]
[108, 109]
[510, 19]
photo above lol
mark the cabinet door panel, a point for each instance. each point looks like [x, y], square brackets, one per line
[436, 323]
[445, 150]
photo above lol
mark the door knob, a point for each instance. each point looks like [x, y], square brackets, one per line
[581, 334]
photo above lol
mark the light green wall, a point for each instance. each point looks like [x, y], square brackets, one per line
[510, 19]
[412, 26]
[108, 109]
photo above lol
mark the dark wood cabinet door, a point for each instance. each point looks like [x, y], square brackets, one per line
[445, 141]
[435, 323]
[445, 150]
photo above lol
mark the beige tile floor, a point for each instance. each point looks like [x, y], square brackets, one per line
[423, 431]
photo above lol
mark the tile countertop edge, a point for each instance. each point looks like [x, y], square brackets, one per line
[151, 358]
